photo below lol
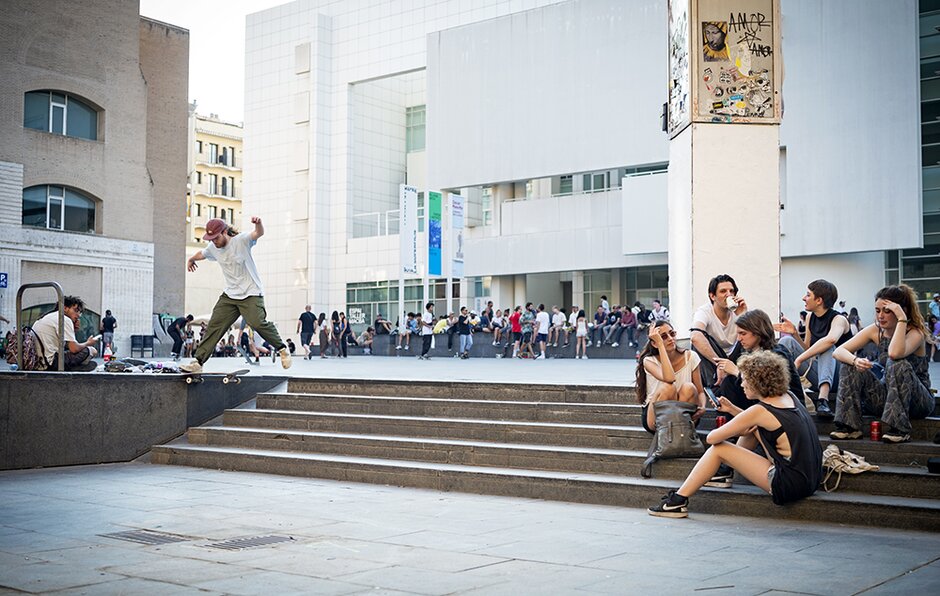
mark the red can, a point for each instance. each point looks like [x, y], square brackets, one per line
[720, 421]
[875, 432]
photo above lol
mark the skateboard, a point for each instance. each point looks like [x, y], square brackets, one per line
[227, 378]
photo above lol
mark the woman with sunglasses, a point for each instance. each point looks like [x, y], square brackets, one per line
[665, 372]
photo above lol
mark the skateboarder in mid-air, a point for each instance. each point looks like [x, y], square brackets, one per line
[243, 294]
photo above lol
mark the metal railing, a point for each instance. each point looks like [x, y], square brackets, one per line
[60, 299]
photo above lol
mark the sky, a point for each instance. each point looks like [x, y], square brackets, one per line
[216, 48]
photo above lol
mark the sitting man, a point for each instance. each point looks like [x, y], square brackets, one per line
[826, 330]
[612, 329]
[78, 356]
[597, 331]
[558, 324]
[382, 326]
[714, 334]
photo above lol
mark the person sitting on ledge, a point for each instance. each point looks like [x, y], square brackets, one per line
[78, 356]
[896, 384]
[779, 422]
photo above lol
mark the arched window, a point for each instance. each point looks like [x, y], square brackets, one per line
[58, 208]
[60, 113]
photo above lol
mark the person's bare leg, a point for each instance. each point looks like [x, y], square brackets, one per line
[665, 392]
[749, 464]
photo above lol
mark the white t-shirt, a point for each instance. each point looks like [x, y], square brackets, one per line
[725, 335]
[683, 375]
[543, 321]
[573, 319]
[558, 319]
[238, 267]
[47, 330]
[497, 322]
[427, 328]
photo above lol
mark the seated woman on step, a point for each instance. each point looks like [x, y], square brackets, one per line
[792, 468]
[896, 384]
[665, 372]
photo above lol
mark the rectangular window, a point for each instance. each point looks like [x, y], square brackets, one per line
[199, 147]
[414, 128]
[56, 206]
[565, 185]
[231, 216]
[213, 153]
[213, 184]
[222, 215]
[225, 186]
[224, 159]
[198, 177]
[198, 210]
[36, 110]
[34, 206]
[212, 212]
[231, 156]
[486, 196]
[231, 186]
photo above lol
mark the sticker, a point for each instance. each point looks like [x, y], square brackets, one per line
[736, 97]
[717, 105]
[719, 91]
[740, 105]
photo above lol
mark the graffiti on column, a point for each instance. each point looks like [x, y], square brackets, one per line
[679, 82]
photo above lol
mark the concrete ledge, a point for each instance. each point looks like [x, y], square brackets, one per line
[56, 419]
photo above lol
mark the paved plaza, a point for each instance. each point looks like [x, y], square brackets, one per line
[365, 539]
[345, 538]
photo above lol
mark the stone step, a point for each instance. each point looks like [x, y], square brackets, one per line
[577, 413]
[466, 390]
[540, 433]
[922, 430]
[839, 507]
[890, 480]
[596, 436]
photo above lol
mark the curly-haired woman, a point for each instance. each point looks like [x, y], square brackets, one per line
[792, 468]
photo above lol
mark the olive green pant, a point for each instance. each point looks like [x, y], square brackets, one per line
[226, 312]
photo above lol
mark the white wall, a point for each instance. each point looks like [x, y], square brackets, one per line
[575, 86]
[857, 276]
[644, 214]
[851, 126]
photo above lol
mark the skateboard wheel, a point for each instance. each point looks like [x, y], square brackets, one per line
[189, 380]
[225, 381]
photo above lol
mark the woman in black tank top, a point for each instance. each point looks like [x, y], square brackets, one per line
[792, 468]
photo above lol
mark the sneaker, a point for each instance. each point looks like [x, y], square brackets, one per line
[672, 505]
[555, 345]
[597, 345]
[723, 478]
[407, 347]
[285, 358]
[367, 351]
[565, 345]
[615, 344]
[494, 343]
[895, 436]
[174, 356]
[257, 360]
[842, 433]
[540, 357]
[397, 347]
[584, 357]
[822, 410]
[193, 367]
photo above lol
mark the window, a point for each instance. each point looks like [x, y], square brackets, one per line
[225, 186]
[60, 113]
[231, 156]
[222, 215]
[213, 153]
[212, 212]
[224, 159]
[565, 185]
[231, 186]
[58, 208]
[414, 128]
[213, 184]
[199, 147]
[231, 216]
[486, 196]
[198, 177]
[198, 209]
[596, 181]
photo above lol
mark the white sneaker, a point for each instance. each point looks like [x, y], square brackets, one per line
[494, 343]
[407, 347]
[597, 345]
[584, 357]
[615, 344]
[397, 347]
[540, 357]
[285, 358]
[193, 367]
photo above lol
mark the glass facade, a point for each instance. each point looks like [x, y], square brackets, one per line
[365, 300]
[414, 128]
[58, 208]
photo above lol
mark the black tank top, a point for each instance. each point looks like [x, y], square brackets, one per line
[799, 476]
[819, 327]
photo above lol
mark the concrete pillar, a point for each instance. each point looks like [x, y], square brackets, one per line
[723, 118]
[577, 288]
[519, 291]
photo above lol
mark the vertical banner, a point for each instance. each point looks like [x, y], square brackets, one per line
[408, 228]
[457, 205]
[434, 233]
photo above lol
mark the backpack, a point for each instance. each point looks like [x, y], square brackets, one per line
[675, 434]
[33, 358]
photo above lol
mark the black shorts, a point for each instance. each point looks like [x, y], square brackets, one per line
[516, 336]
[541, 337]
[526, 337]
[305, 337]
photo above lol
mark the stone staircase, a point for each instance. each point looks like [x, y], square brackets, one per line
[569, 443]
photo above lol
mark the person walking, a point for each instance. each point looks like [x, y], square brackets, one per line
[176, 331]
[305, 326]
[427, 330]
[243, 294]
[108, 325]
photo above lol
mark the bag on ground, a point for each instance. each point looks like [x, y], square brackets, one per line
[33, 358]
[675, 434]
[837, 461]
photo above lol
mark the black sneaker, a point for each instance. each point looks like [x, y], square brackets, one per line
[88, 366]
[723, 478]
[892, 435]
[822, 410]
[672, 505]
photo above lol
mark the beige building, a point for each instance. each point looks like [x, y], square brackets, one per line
[93, 159]
[215, 191]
